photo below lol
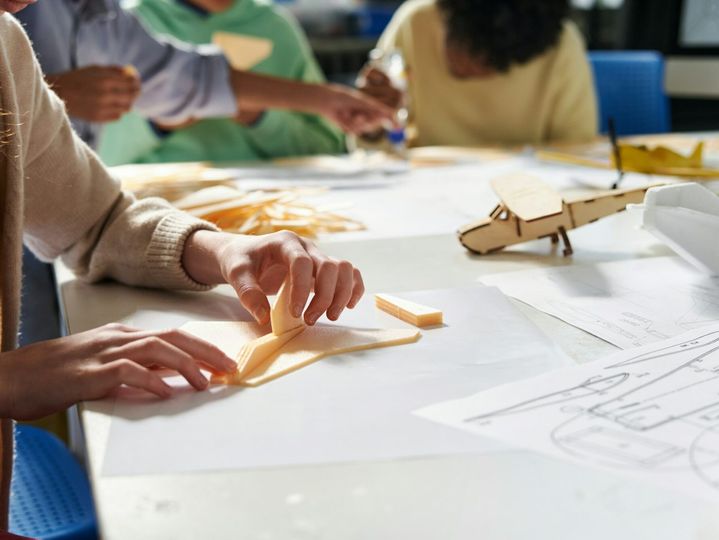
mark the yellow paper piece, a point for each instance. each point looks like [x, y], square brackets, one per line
[258, 350]
[282, 320]
[243, 52]
[319, 342]
[309, 346]
[410, 312]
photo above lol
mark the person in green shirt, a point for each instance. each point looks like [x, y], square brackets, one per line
[252, 135]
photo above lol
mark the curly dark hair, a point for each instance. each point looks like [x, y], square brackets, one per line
[504, 32]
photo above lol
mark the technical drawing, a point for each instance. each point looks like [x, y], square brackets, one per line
[587, 388]
[651, 412]
[619, 445]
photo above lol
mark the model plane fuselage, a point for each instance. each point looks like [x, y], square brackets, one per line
[513, 221]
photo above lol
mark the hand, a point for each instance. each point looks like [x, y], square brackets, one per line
[49, 376]
[256, 266]
[97, 93]
[353, 111]
[376, 84]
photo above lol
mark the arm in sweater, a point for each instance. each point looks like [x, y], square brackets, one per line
[74, 209]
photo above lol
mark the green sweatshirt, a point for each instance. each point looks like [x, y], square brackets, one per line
[277, 133]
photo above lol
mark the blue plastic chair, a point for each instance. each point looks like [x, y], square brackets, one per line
[51, 498]
[630, 88]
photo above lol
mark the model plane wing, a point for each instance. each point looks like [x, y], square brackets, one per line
[527, 197]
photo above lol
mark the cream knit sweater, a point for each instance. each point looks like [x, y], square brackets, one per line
[56, 195]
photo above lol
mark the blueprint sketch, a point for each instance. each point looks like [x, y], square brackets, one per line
[627, 303]
[652, 412]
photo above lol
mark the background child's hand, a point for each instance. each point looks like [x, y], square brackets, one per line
[97, 93]
[256, 266]
[376, 84]
[49, 376]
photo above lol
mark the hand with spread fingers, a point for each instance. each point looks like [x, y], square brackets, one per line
[256, 266]
[49, 376]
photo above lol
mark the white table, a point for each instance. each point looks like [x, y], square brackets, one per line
[507, 495]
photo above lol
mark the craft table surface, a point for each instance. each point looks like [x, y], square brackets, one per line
[505, 495]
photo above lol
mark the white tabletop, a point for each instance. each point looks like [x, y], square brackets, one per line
[507, 495]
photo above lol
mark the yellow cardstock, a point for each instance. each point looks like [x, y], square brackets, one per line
[264, 356]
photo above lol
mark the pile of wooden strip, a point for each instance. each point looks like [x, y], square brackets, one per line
[170, 181]
[263, 212]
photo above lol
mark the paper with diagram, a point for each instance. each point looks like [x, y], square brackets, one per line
[652, 412]
[627, 303]
[352, 407]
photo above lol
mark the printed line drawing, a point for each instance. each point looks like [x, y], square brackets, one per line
[651, 411]
[587, 388]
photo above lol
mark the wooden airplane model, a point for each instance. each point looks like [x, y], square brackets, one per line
[530, 209]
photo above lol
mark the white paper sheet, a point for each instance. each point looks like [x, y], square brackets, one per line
[652, 412]
[627, 303]
[345, 408]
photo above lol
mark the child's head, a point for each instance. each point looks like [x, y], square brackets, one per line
[486, 37]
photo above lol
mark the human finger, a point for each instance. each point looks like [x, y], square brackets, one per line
[300, 270]
[155, 352]
[125, 371]
[357, 290]
[386, 94]
[343, 290]
[250, 294]
[377, 77]
[325, 283]
[200, 350]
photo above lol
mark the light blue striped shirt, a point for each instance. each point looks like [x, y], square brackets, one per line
[179, 82]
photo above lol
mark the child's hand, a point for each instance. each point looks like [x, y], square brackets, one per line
[49, 376]
[376, 84]
[256, 266]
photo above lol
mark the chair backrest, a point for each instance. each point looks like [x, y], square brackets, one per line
[630, 88]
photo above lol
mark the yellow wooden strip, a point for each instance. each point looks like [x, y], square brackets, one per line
[411, 312]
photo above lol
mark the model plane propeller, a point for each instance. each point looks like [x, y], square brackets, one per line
[530, 209]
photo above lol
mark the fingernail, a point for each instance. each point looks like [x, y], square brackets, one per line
[230, 365]
[312, 319]
[166, 390]
[297, 310]
[262, 314]
[336, 314]
[202, 381]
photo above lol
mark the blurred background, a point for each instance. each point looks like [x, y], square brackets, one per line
[686, 32]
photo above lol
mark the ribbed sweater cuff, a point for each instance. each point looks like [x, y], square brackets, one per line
[164, 254]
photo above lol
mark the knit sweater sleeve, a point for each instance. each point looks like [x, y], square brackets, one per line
[75, 210]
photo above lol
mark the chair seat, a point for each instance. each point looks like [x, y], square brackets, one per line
[51, 497]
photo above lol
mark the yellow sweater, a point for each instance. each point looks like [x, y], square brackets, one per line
[56, 194]
[550, 98]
